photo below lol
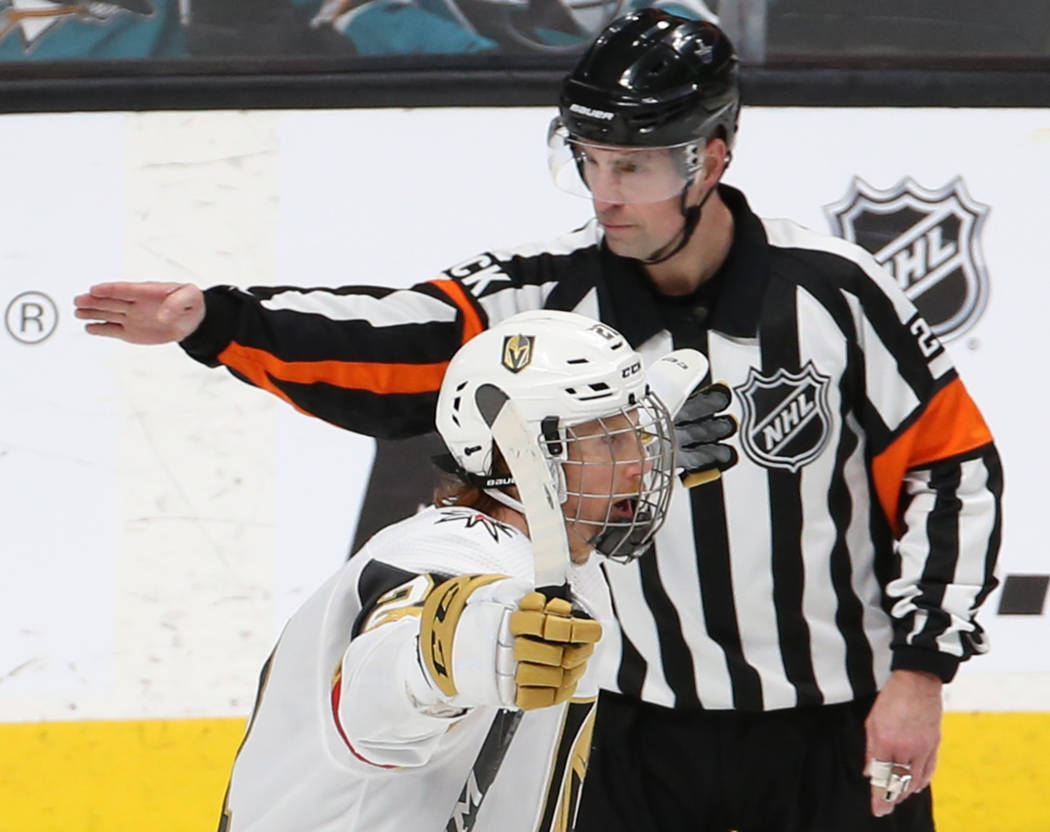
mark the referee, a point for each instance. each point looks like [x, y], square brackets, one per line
[779, 661]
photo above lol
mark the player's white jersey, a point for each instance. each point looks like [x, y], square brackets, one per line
[336, 743]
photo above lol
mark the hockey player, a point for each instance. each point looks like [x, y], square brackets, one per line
[383, 686]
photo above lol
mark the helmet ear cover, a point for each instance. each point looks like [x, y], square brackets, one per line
[499, 475]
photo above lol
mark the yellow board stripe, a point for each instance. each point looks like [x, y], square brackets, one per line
[168, 775]
[126, 776]
[993, 773]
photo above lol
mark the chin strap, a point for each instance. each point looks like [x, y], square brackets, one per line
[692, 220]
[505, 498]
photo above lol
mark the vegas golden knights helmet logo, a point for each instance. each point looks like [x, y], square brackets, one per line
[517, 352]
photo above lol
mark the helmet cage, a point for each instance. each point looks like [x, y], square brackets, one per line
[642, 438]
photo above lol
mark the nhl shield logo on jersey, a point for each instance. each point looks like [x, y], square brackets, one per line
[928, 240]
[517, 352]
[786, 420]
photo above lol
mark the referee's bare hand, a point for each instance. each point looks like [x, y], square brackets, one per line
[142, 313]
[904, 728]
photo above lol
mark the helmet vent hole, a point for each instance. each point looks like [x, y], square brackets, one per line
[577, 361]
[593, 391]
[666, 115]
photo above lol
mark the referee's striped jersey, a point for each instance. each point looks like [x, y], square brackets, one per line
[857, 534]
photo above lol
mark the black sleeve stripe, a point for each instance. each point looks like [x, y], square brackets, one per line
[268, 292]
[383, 416]
[994, 467]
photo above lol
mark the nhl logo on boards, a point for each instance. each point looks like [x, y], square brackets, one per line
[786, 420]
[928, 240]
[517, 352]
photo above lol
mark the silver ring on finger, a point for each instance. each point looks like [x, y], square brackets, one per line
[890, 776]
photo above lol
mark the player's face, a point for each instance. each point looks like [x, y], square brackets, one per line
[603, 475]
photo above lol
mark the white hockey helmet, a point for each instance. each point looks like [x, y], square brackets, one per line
[562, 370]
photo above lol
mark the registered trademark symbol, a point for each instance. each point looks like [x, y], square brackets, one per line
[31, 317]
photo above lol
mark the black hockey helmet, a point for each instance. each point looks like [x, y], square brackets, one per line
[653, 79]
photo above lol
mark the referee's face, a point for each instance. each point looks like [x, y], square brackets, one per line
[603, 476]
[636, 230]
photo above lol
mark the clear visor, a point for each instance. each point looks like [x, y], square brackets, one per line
[628, 175]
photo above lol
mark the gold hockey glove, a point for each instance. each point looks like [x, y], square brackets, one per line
[492, 640]
[551, 646]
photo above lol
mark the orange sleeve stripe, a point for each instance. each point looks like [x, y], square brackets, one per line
[471, 320]
[950, 425]
[261, 367]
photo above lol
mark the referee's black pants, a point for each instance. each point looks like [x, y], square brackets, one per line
[654, 769]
